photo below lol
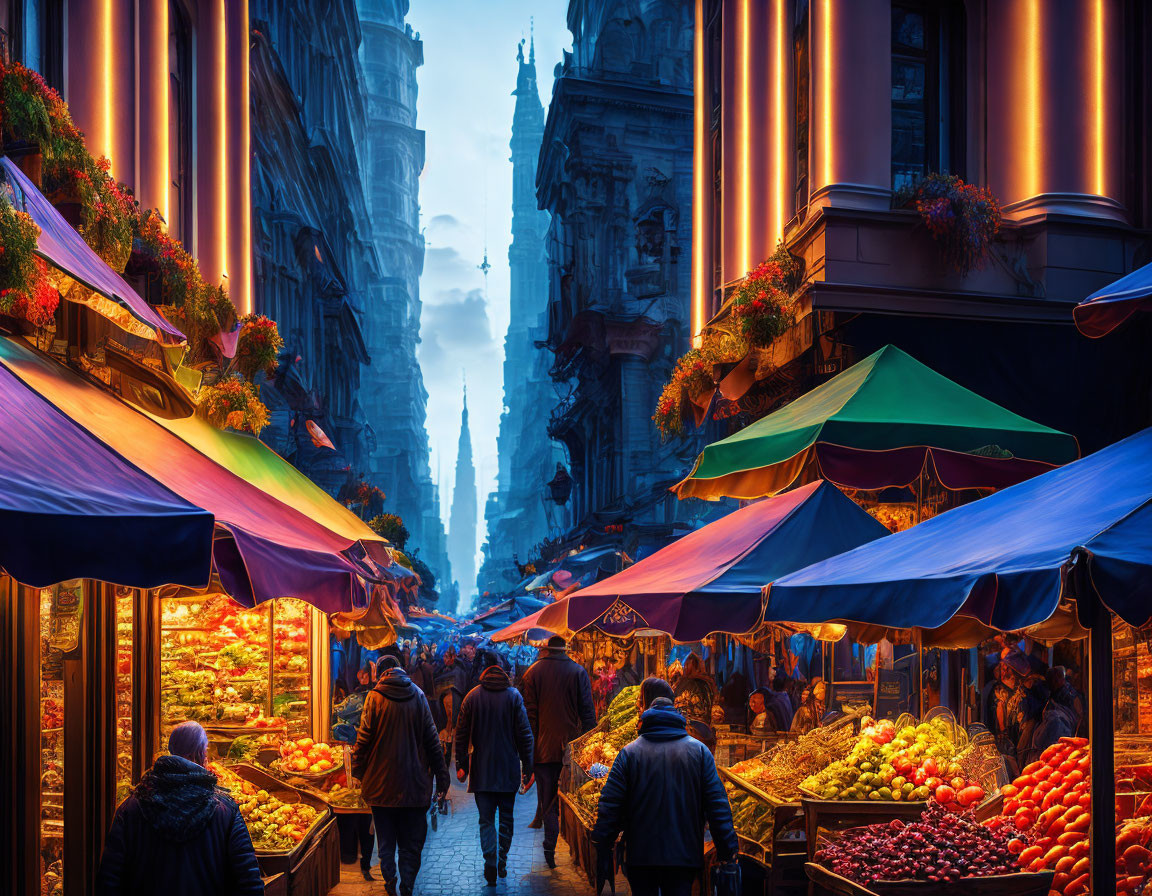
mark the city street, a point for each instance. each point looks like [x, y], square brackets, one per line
[453, 864]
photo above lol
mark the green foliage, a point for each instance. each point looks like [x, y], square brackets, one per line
[390, 526]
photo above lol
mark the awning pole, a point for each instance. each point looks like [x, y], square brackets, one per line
[1101, 742]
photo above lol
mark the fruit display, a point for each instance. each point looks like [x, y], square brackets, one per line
[125, 614]
[751, 816]
[940, 846]
[778, 772]
[306, 757]
[229, 667]
[617, 729]
[52, 720]
[273, 824]
[912, 763]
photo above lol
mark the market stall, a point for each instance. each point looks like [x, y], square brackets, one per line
[1058, 555]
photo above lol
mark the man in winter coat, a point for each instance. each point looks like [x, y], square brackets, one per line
[493, 724]
[177, 834]
[397, 752]
[662, 788]
[558, 697]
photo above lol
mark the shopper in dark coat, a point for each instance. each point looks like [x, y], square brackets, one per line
[397, 752]
[493, 725]
[558, 697]
[177, 834]
[662, 788]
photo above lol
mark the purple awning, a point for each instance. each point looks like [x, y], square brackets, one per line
[65, 249]
[70, 507]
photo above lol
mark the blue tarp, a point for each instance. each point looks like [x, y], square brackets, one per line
[1001, 560]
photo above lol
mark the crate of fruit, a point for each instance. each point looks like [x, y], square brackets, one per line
[308, 760]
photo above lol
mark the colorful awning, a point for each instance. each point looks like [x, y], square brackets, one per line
[711, 579]
[1002, 561]
[72, 508]
[1107, 308]
[876, 425]
[264, 548]
[107, 293]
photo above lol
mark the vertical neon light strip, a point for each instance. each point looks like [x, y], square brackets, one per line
[780, 126]
[700, 276]
[827, 49]
[1099, 177]
[164, 177]
[1031, 148]
[745, 136]
[106, 98]
[220, 201]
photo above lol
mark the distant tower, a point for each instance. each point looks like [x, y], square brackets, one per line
[462, 523]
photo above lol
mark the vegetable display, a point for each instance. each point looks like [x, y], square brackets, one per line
[273, 824]
[941, 846]
[779, 771]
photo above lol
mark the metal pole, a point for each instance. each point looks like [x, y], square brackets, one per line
[1102, 745]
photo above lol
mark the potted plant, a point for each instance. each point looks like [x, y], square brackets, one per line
[962, 218]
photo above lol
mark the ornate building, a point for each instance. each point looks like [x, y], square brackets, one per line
[314, 258]
[615, 174]
[392, 390]
[462, 523]
[518, 515]
[814, 119]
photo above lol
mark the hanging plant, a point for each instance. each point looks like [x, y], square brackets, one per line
[233, 403]
[25, 113]
[391, 527]
[762, 302]
[18, 235]
[962, 218]
[258, 346]
[692, 377]
[108, 215]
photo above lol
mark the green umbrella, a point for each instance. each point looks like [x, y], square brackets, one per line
[876, 425]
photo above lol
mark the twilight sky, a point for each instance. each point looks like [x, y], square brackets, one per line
[465, 108]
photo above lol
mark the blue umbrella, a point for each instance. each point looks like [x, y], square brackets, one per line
[1082, 531]
[1109, 307]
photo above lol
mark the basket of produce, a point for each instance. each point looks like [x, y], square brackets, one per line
[281, 820]
[307, 760]
[940, 853]
[776, 775]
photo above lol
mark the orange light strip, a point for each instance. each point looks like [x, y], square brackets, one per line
[161, 76]
[245, 140]
[1030, 157]
[220, 203]
[104, 146]
[744, 262]
[780, 125]
[827, 48]
[700, 276]
[1098, 181]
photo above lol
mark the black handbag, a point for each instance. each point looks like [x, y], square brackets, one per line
[726, 879]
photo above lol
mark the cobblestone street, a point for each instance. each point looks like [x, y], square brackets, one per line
[453, 865]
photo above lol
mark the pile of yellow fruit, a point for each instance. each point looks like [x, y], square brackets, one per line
[305, 755]
[273, 824]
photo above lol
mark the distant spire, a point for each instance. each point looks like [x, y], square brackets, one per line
[532, 40]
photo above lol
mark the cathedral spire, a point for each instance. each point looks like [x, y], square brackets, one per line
[462, 522]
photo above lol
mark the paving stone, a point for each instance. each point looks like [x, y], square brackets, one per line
[454, 865]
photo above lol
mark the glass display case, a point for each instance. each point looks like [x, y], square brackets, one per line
[61, 607]
[125, 599]
[244, 674]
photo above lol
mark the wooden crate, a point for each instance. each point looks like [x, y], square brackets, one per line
[839, 815]
[823, 882]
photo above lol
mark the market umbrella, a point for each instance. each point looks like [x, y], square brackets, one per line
[1107, 308]
[578, 565]
[71, 508]
[876, 425]
[711, 579]
[1082, 531]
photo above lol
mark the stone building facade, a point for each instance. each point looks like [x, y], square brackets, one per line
[314, 258]
[615, 175]
[392, 387]
[519, 514]
[811, 119]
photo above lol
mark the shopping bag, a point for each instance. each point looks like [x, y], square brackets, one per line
[726, 879]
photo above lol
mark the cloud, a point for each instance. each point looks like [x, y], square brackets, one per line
[445, 222]
[444, 264]
[457, 320]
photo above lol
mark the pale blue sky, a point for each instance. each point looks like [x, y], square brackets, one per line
[465, 107]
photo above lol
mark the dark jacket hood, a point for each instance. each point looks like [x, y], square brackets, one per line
[396, 685]
[495, 679]
[663, 723]
[178, 797]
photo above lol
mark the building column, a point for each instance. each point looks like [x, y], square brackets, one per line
[211, 142]
[1054, 124]
[239, 157]
[153, 179]
[851, 110]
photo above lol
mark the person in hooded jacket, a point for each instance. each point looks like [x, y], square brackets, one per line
[558, 697]
[178, 834]
[494, 754]
[661, 790]
[396, 756]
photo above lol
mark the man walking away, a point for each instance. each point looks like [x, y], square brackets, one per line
[558, 697]
[493, 724]
[662, 788]
[397, 753]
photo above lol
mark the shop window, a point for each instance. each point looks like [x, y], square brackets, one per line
[801, 64]
[180, 125]
[927, 90]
